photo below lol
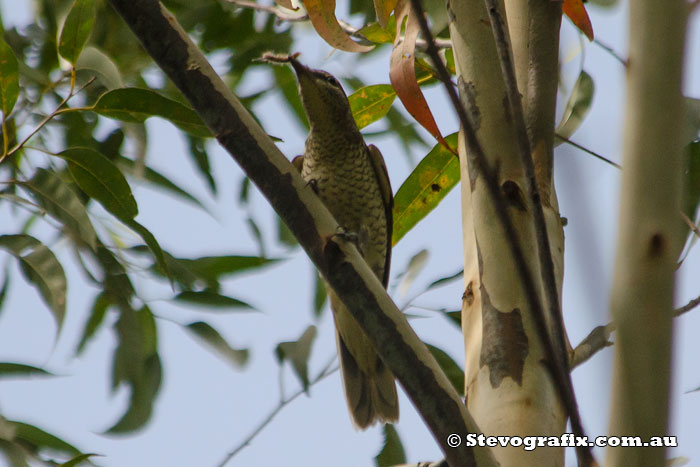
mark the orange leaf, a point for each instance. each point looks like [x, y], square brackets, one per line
[322, 16]
[402, 73]
[576, 12]
[384, 9]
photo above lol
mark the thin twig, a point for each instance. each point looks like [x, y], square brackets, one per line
[611, 51]
[586, 150]
[553, 340]
[327, 370]
[48, 118]
[283, 15]
[597, 339]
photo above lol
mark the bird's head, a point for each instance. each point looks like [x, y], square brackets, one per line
[322, 96]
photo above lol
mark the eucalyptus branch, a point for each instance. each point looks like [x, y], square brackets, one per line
[597, 339]
[691, 224]
[49, 117]
[338, 260]
[326, 371]
[561, 376]
[553, 341]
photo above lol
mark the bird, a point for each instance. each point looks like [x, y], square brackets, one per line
[351, 179]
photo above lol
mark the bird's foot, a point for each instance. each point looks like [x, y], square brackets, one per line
[313, 184]
[344, 234]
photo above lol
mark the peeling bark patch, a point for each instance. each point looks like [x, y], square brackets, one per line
[468, 294]
[467, 94]
[506, 111]
[657, 245]
[514, 195]
[504, 343]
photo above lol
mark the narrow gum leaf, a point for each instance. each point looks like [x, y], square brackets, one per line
[577, 106]
[424, 188]
[136, 105]
[576, 12]
[59, 200]
[102, 180]
[383, 8]
[76, 30]
[211, 338]
[41, 267]
[322, 16]
[402, 73]
[9, 79]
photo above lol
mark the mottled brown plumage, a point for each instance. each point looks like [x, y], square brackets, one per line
[351, 179]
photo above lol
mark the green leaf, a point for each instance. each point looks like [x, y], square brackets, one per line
[136, 363]
[425, 187]
[455, 317]
[415, 265]
[577, 107]
[198, 151]
[371, 103]
[692, 183]
[375, 33]
[210, 299]
[37, 439]
[298, 353]
[392, 452]
[3, 290]
[59, 200]
[102, 180]
[211, 338]
[152, 243]
[97, 315]
[42, 269]
[159, 180]
[9, 79]
[136, 105]
[11, 370]
[76, 30]
[77, 460]
[98, 64]
[320, 294]
[445, 280]
[453, 371]
[284, 235]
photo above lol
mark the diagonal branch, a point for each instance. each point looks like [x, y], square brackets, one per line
[337, 260]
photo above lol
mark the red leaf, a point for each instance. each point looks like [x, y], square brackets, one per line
[576, 12]
[322, 16]
[403, 73]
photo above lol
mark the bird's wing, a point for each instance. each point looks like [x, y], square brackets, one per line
[380, 171]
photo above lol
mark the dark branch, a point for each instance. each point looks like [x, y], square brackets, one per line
[338, 261]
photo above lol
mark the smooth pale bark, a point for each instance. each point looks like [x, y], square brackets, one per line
[509, 390]
[338, 261]
[649, 230]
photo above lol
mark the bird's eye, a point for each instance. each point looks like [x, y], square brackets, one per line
[332, 81]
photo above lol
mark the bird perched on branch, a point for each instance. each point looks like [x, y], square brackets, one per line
[352, 181]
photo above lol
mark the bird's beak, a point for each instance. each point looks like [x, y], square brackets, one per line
[299, 69]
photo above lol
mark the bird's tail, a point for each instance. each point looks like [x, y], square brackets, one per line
[370, 390]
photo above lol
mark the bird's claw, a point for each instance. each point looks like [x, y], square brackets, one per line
[348, 236]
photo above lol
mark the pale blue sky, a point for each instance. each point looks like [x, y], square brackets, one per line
[205, 408]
